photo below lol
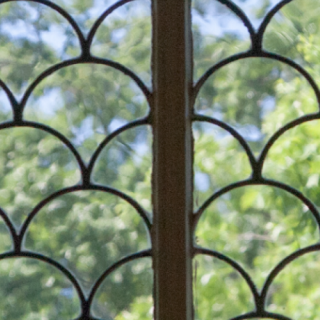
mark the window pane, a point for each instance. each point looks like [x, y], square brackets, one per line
[256, 173]
[75, 157]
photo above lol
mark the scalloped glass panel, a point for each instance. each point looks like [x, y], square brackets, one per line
[126, 293]
[294, 33]
[217, 33]
[256, 96]
[125, 163]
[85, 12]
[217, 286]
[214, 167]
[295, 291]
[33, 38]
[294, 159]
[87, 231]
[86, 102]
[256, 10]
[125, 37]
[257, 226]
[32, 289]
[34, 164]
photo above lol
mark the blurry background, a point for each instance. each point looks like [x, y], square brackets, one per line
[88, 231]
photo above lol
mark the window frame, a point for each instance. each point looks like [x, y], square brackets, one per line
[172, 159]
[171, 102]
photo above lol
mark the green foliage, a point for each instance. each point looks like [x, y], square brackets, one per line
[258, 226]
[88, 231]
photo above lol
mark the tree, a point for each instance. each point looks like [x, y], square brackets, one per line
[88, 231]
[258, 226]
[84, 231]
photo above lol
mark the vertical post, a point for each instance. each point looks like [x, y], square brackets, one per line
[173, 159]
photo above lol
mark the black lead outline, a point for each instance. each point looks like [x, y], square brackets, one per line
[233, 132]
[94, 187]
[86, 57]
[259, 298]
[57, 265]
[252, 182]
[85, 303]
[252, 54]
[78, 61]
[215, 254]
[18, 107]
[257, 166]
[263, 315]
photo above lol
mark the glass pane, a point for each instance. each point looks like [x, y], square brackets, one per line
[125, 37]
[256, 10]
[217, 34]
[34, 164]
[83, 231]
[86, 103]
[126, 294]
[85, 13]
[5, 107]
[5, 237]
[33, 38]
[126, 162]
[87, 232]
[256, 96]
[300, 279]
[257, 226]
[219, 291]
[31, 289]
[294, 159]
[294, 32]
[215, 168]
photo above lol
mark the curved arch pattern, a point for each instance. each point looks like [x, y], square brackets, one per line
[85, 42]
[257, 163]
[18, 108]
[86, 302]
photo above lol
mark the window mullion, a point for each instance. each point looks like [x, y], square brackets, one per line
[173, 155]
